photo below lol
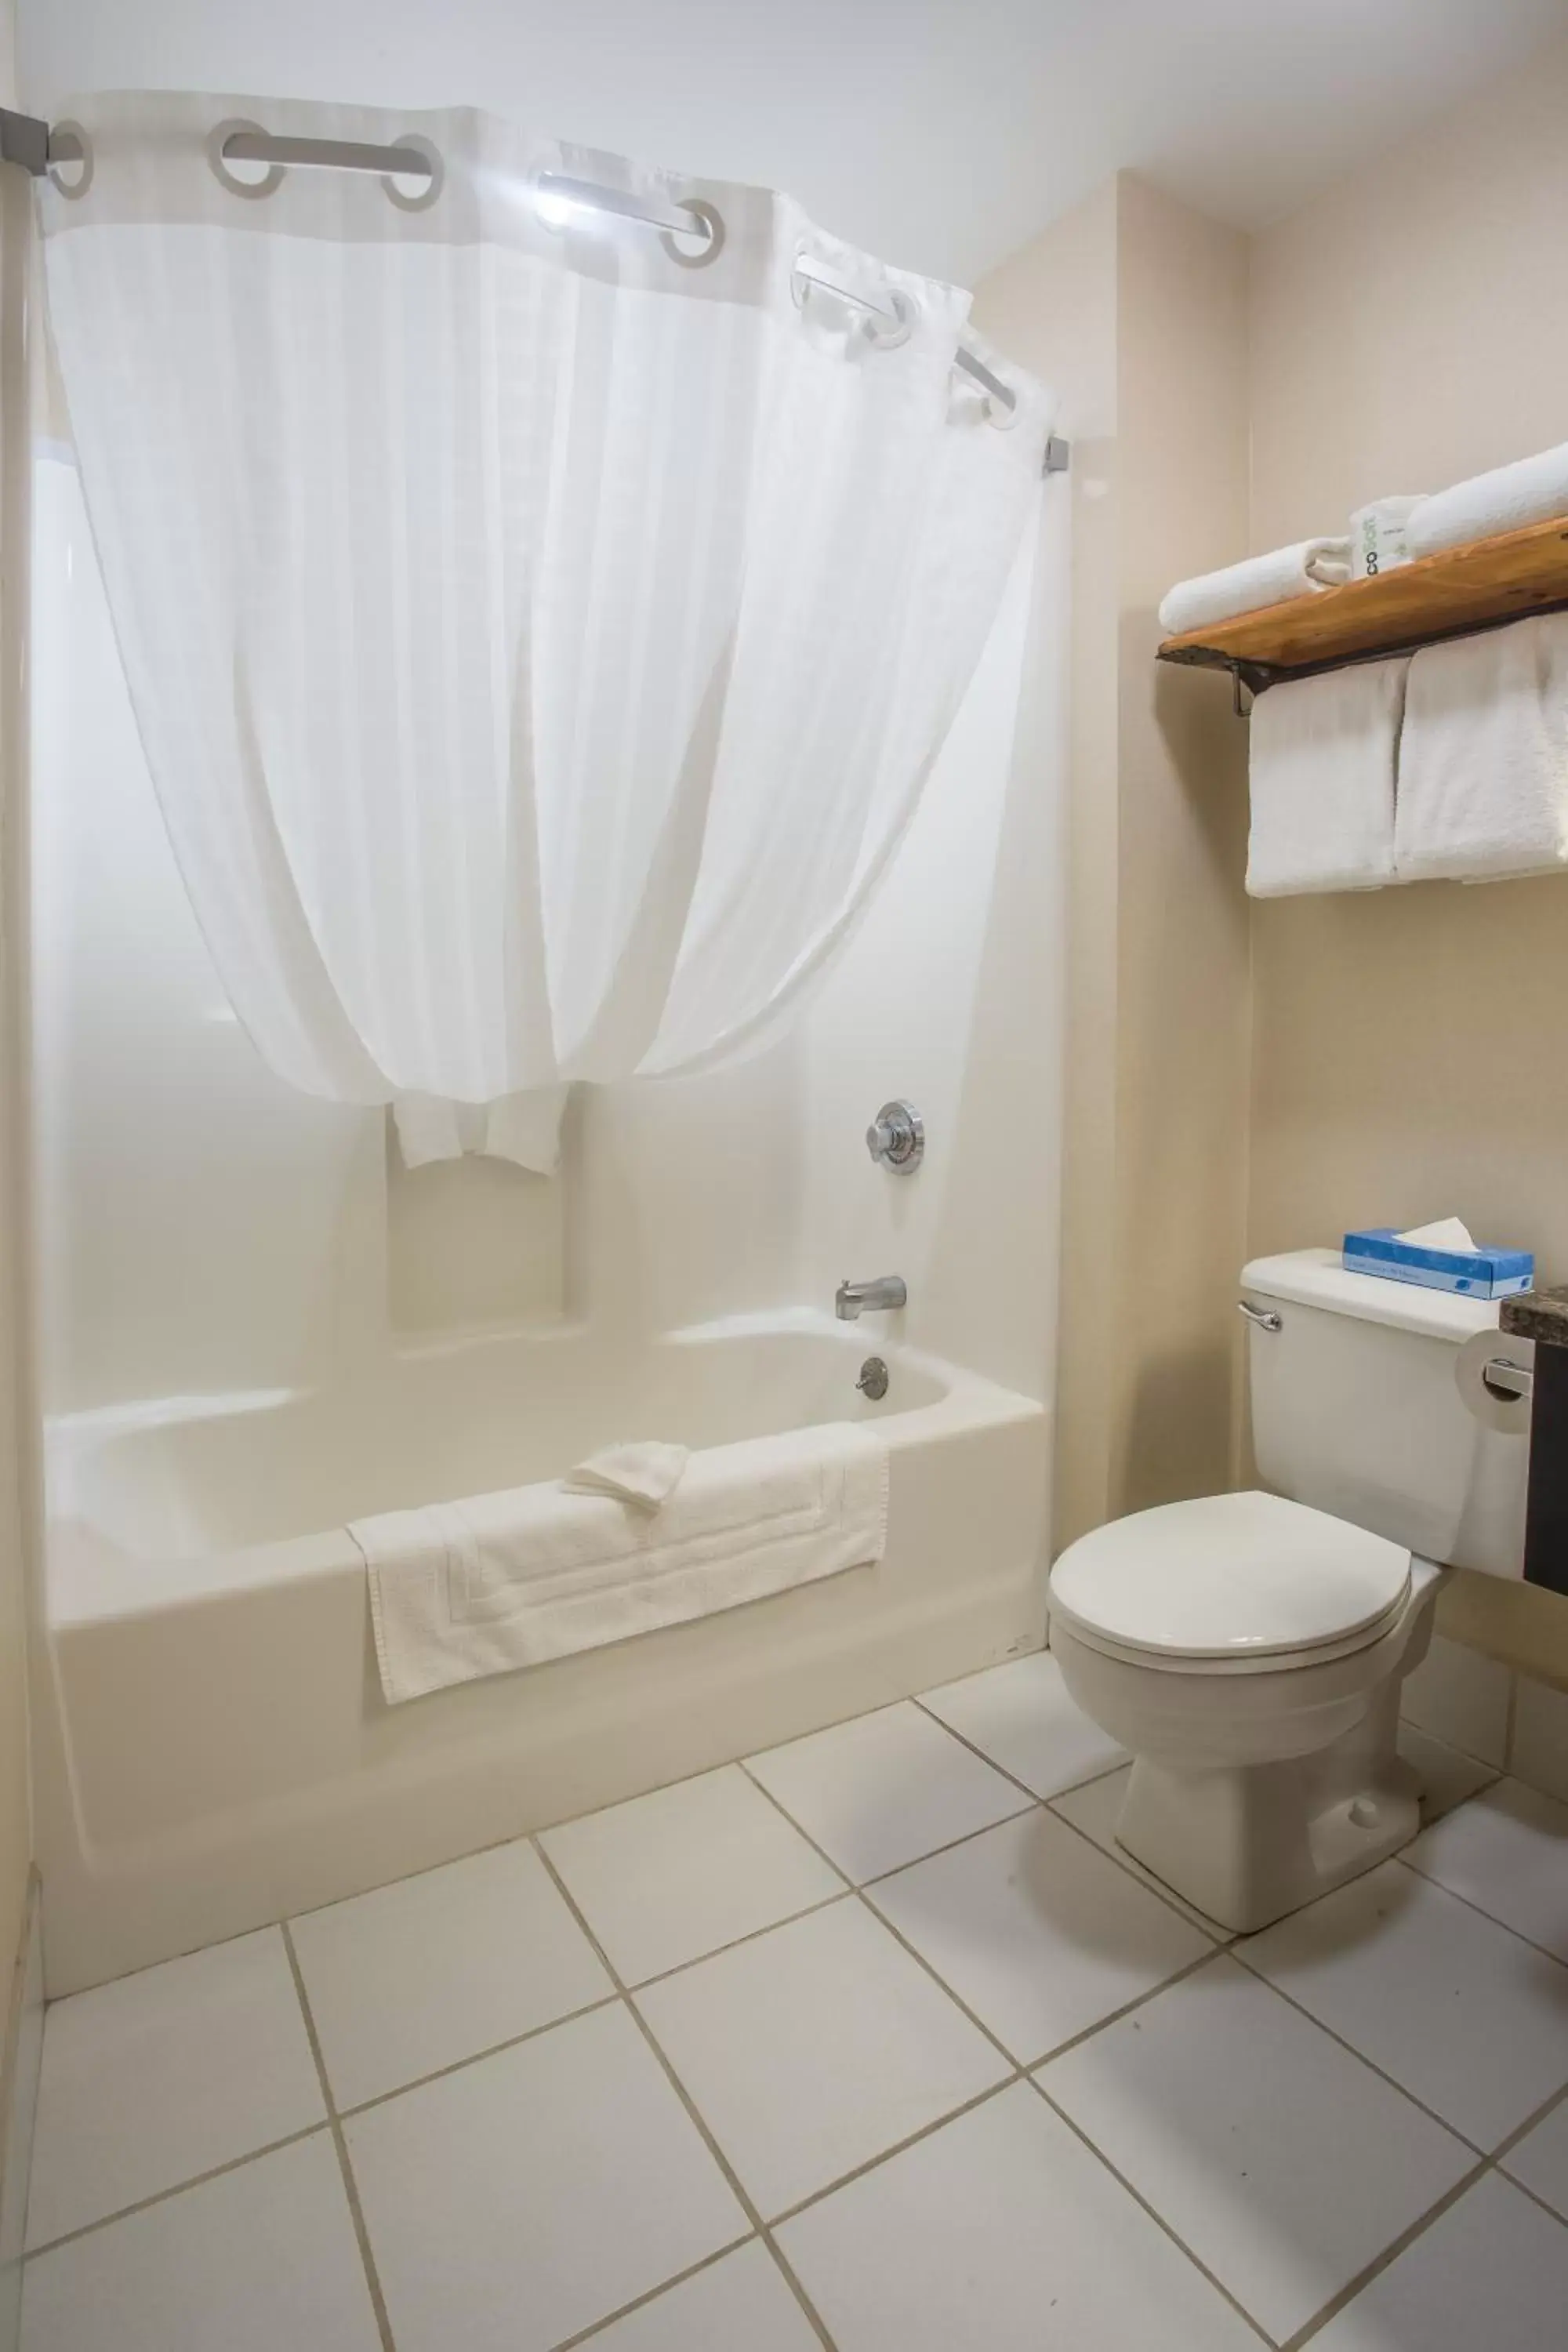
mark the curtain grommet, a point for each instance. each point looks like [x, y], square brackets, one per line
[703, 216]
[885, 334]
[422, 198]
[218, 138]
[80, 163]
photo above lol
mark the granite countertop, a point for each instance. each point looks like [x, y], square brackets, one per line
[1539, 1314]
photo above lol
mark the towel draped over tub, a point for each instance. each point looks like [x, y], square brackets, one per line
[495, 1581]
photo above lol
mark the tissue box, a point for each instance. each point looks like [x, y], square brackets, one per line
[1479, 1273]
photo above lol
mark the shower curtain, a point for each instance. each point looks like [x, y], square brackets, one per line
[539, 626]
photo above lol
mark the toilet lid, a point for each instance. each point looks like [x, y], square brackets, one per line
[1229, 1575]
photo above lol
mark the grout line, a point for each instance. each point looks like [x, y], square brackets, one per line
[350, 2187]
[1479, 1909]
[866, 1905]
[1009, 2082]
[1493, 2163]
[1386, 2259]
[950, 1845]
[1372, 2066]
[787, 1919]
[1139, 2198]
[178, 2188]
[737, 2187]
[963, 1741]
[1221, 1937]
[641, 2301]
[473, 2058]
[1023, 2073]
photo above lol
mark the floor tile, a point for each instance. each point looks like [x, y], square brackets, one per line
[1448, 1777]
[1284, 2163]
[738, 2303]
[884, 1790]
[1465, 2017]
[1095, 1808]
[814, 2048]
[1460, 1696]
[1492, 2272]
[160, 2076]
[262, 2256]
[412, 1977]
[1039, 1934]
[1001, 2233]
[1541, 2160]
[522, 2197]
[1507, 1852]
[1021, 1716]
[1540, 1754]
[671, 1876]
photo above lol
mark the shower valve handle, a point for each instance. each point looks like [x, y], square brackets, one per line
[897, 1137]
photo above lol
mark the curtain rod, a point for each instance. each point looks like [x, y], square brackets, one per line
[25, 140]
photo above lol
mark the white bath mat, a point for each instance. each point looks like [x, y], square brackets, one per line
[495, 1581]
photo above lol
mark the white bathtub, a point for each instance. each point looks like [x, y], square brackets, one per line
[215, 1752]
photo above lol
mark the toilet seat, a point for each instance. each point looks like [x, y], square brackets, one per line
[1230, 1583]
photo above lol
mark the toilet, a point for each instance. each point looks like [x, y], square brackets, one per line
[1248, 1649]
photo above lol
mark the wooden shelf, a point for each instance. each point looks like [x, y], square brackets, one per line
[1481, 585]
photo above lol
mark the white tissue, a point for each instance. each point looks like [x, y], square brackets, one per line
[1448, 1233]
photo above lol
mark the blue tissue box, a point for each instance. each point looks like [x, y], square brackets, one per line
[1479, 1273]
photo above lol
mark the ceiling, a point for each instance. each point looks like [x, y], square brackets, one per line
[939, 133]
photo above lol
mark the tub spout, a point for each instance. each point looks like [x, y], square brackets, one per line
[852, 1298]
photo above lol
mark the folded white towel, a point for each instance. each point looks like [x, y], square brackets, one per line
[1483, 760]
[523, 1128]
[461, 1590]
[1533, 490]
[1304, 570]
[1323, 762]
[647, 1474]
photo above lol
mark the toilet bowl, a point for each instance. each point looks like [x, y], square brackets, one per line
[1262, 1730]
[1248, 1649]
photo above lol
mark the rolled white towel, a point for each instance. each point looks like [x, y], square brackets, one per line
[1533, 490]
[1311, 565]
[1322, 760]
[646, 1473]
[1483, 759]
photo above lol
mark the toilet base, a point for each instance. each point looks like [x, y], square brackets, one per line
[1246, 1843]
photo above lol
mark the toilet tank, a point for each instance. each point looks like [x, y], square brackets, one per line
[1359, 1408]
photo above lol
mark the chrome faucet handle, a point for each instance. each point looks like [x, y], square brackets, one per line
[897, 1137]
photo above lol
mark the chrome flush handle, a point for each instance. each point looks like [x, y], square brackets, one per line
[1264, 1318]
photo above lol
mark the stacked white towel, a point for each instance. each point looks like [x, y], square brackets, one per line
[1322, 757]
[1509, 497]
[478, 1587]
[1483, 762]
[1304, 570]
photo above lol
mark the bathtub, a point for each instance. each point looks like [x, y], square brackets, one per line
[214, 1750]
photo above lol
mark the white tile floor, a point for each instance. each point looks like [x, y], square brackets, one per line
[876, 2042]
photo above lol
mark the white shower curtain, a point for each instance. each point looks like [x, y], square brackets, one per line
[539, 633]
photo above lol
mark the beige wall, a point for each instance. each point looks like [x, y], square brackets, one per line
[1408, 328]
[1133, 307]
[16, 1836]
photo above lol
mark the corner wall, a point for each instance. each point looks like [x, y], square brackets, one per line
[1408, 328]
[1133, 307]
